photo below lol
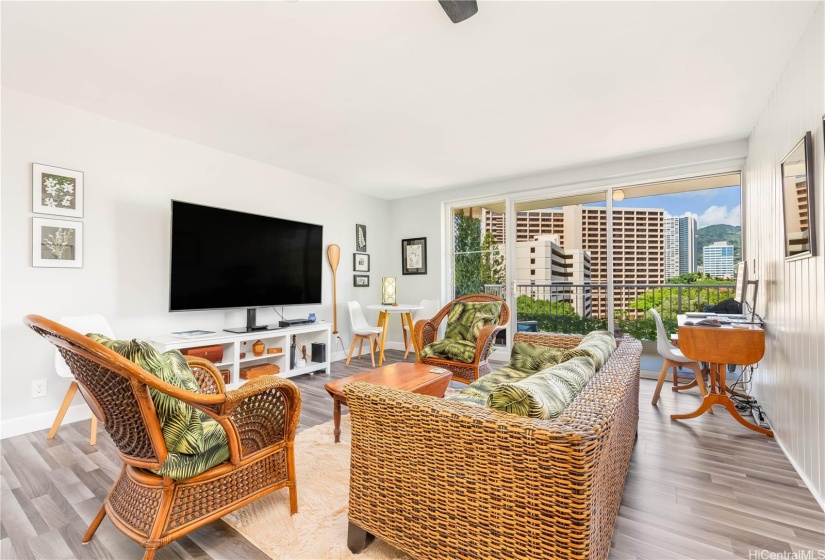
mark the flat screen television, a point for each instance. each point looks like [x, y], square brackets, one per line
[226, 259]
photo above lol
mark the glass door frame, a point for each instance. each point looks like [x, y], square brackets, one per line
[447, 267]
[603, 185]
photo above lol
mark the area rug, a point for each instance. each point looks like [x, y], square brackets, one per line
[319, 530]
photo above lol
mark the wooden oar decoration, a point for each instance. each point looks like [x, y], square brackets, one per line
[334, 256]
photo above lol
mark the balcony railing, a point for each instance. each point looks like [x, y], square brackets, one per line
[581, 308]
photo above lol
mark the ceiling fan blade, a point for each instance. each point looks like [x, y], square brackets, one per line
[459, 10]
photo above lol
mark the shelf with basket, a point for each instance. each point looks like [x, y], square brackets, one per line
[235, 354]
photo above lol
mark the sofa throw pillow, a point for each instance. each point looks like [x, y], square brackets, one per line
[449, 349]
[466, 319]
[598, 345]
[476, 393]
[546, 394]
[180, 423]
[530, 358]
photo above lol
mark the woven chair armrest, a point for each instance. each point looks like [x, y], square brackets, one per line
[485, 340]
[264, 411]
[425, 333]
[207, 375]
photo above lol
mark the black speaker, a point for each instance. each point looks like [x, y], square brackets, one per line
[319, 352]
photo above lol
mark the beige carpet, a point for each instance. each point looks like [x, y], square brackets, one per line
[319, 530]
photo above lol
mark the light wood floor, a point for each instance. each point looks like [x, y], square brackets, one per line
[705, 488]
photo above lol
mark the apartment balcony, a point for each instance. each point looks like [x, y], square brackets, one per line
[581, 308]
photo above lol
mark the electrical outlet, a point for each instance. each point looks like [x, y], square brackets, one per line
[38, 388]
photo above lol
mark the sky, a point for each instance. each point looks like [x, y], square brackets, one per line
[709, 206]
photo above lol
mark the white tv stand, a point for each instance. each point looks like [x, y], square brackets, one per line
[235, 344]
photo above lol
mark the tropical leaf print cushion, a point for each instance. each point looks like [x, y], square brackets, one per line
[448, 349]
[180, 423]
[598, 345]
[546, 394]
[530, 358]
[181, 466]
[476, 393]
[466, 319]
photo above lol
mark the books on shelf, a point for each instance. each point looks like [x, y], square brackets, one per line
[192, 334]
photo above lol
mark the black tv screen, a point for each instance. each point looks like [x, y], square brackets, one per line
[222, 258]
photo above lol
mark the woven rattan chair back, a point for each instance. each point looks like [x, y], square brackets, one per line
[426, 332]
[260, 419]
[114, 392]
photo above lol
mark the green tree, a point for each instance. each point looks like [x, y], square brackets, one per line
[492, 261]
[467, 254]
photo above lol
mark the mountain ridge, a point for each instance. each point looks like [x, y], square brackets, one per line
[719, 232]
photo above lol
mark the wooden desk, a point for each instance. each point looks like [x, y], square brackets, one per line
[384, 322]
[720, 346]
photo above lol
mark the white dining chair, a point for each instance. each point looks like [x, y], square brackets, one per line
[429, 307]
[673, 358]
[361, 330]
[83, 324]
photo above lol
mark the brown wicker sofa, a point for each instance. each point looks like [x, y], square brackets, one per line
[445, 480]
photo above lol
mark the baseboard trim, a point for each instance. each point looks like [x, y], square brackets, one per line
[41, 421]
[800, 472]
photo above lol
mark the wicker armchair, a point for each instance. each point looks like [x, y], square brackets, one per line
[426, 331]
[260, 419]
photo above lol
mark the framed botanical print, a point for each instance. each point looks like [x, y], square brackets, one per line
[361, 238]
[57, 191]
[414, 256]
[361, 280]
[360, 262]
[57, 243]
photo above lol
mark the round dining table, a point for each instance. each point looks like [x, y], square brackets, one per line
[405, 311]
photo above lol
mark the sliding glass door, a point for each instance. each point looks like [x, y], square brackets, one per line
[600, 259]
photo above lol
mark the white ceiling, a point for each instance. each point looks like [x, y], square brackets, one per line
[392, 99]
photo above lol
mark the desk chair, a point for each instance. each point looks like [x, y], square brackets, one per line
[673, 358]
[429, 307]
[83, 324]
[361, 330]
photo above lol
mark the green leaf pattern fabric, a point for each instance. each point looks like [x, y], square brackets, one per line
[531, 358]
[598, 345]
[476, 393]
[193, 440]
[448, 349]
[466, 319]
[181, 466]
[546, 394]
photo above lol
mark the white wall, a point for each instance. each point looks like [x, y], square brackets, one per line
[130, 176]
[790, 382]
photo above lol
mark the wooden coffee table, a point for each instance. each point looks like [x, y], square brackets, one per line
[413, 377]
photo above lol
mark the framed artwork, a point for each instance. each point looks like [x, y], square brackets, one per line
[57, 243]
[361, 280]
[361, 238]
[360, 262]
[57, 191]
[798, 200]
[414, 256]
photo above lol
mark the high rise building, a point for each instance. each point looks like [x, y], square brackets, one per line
[638, 250]
[718, 260]
[688, 244]
[559, 275]
[672, 247]
[638, 246]
[529, 224]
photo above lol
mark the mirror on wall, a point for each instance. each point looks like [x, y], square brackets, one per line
[797, 199]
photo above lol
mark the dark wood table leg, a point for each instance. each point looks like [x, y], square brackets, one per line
[336, 417]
